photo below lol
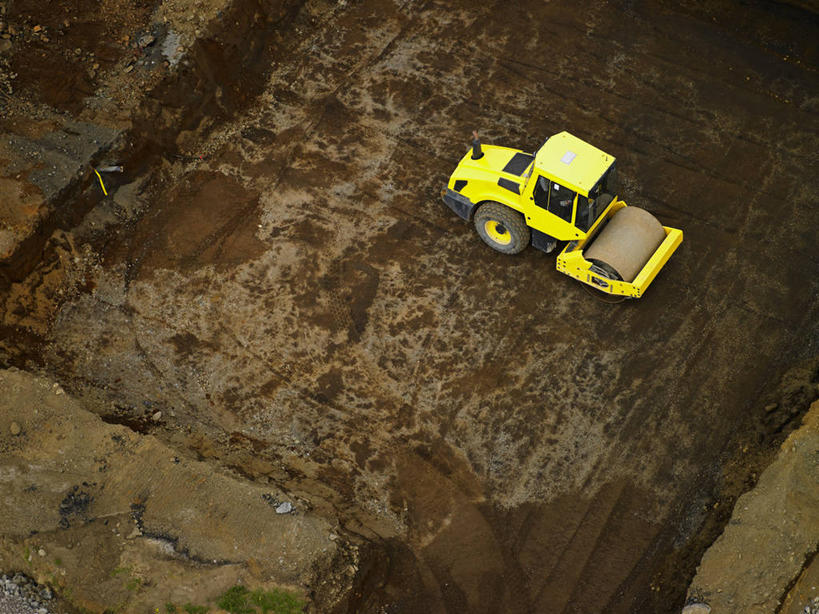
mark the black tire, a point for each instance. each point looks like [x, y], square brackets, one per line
[501, 228]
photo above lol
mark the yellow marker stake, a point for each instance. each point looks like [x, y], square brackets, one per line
[104, 191]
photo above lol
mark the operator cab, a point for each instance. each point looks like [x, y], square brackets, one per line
[569, 176]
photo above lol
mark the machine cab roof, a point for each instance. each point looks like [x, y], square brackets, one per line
[572, 162]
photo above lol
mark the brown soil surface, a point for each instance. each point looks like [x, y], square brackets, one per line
[286, 287]
[57, 64]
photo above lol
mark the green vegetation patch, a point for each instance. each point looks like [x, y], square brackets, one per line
[239, 600]
[236, 600]
[133, 584]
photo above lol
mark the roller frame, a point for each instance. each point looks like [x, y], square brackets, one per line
[572, 262]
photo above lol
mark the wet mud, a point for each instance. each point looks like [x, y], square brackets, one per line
[298, 304]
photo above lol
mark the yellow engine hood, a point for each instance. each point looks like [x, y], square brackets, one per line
[491, 166]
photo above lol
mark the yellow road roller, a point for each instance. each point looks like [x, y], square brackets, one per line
[565, 192]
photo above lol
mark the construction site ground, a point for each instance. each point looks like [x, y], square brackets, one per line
[273, 292]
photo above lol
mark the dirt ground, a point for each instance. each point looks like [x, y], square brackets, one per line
[275, 272]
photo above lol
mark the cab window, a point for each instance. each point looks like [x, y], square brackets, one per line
[561, 200]
[541, 193]
[585, 213]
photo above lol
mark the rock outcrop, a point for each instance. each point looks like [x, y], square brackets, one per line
[109, 517]
[765, 560]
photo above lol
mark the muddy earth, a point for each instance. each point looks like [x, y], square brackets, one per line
[275, 277]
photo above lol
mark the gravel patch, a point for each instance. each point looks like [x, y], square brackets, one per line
[21, 595]
[812, 607]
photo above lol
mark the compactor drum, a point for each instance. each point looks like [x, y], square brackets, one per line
[626, 243]
[563, 193]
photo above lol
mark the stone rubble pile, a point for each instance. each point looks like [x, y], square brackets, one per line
[21, 595]
[812, 607]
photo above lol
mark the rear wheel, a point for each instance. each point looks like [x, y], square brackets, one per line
[502, 228]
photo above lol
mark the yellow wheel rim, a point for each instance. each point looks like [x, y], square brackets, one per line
[497, 232]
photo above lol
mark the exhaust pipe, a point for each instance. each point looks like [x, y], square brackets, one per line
[477, 153]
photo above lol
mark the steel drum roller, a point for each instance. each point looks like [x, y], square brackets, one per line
[627, 242]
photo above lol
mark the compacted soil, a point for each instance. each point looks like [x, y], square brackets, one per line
[275, 273]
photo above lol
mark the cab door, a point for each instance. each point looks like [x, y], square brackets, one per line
[551, 208]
